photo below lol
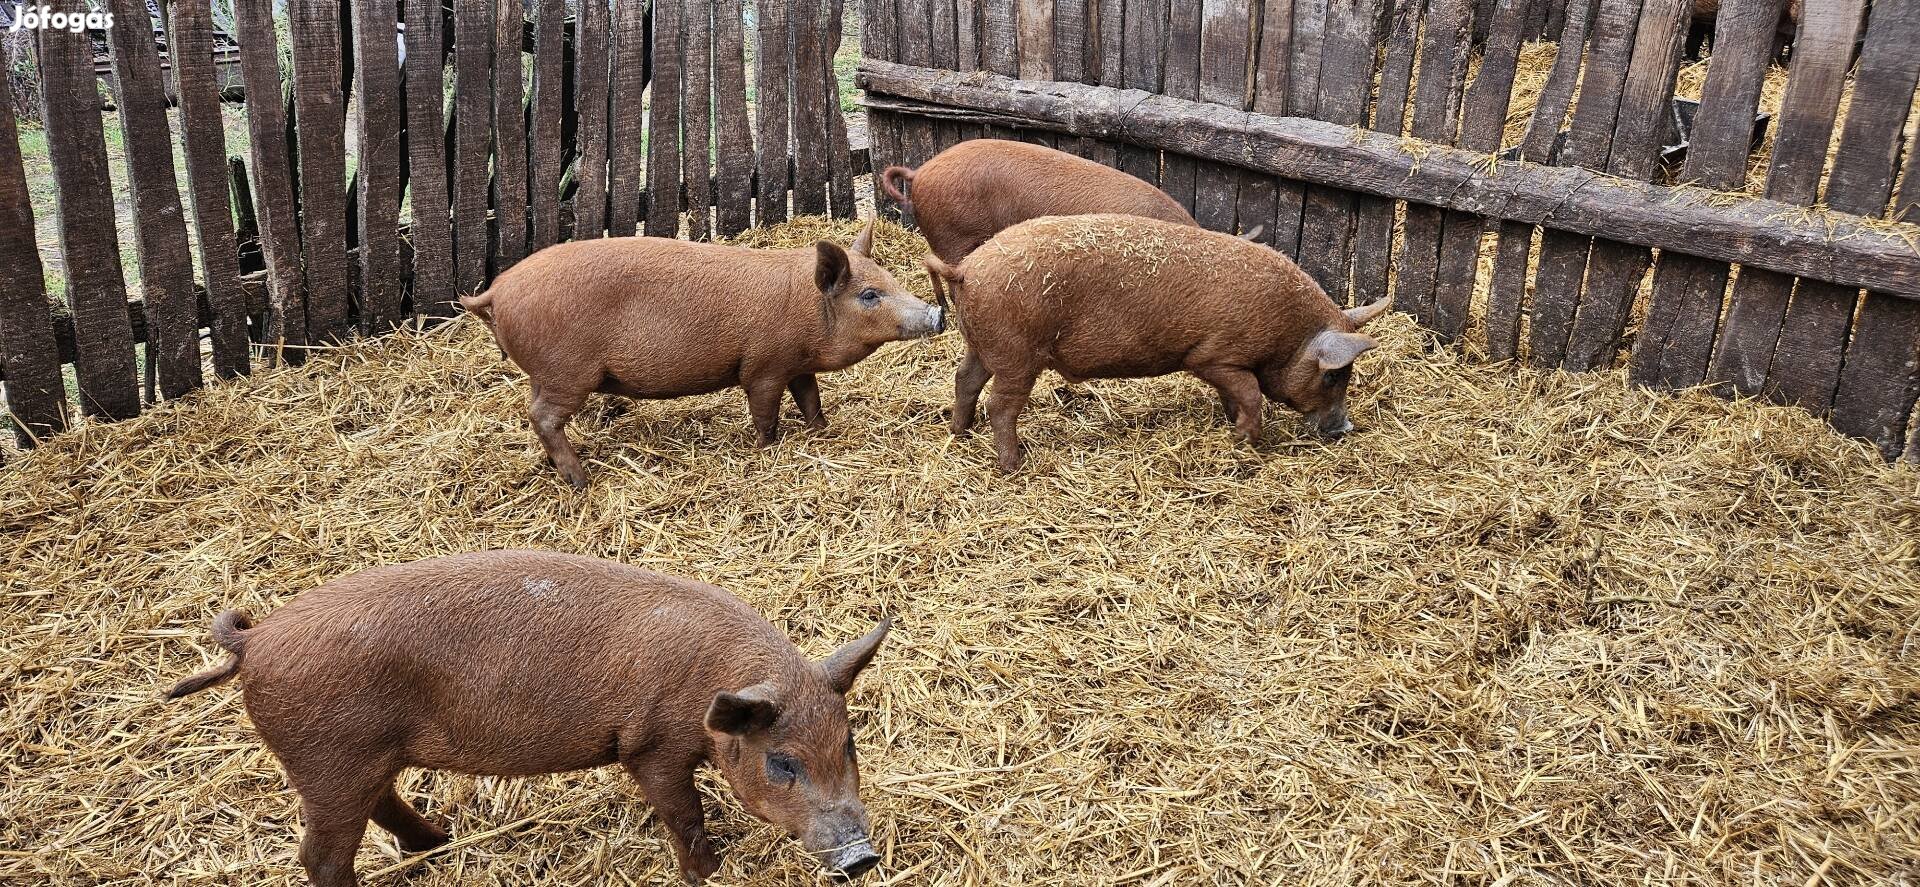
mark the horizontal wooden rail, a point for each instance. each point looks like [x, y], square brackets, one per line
[1846, 249]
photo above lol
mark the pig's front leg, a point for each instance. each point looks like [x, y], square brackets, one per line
[763, 403]
[1240, 391]
[669, 787]
[806, 396]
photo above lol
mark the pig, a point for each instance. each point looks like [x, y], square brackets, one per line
[649, 317]
[975, 189]
[514, 663]
[1118, 296]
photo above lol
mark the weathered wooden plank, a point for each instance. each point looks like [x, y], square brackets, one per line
[274, 207]
[473, 129]
[1684, 313]
[36, 396]
[1225, 59]
[320, 123]
[1614, 270]
[772, 67]
[204, 145]
[1482, 119]
[544, 146]
[1000, 52]
[809, 110]
[943, 51]
[592, 36]
[1822, 49]
[1874, 390]
[1346, 70]
[429, 228]
[880, 40]
[1181, 80]
[733, 133]
[509, 136]
[839, 147]
[376, 85]
[1563, 255]
[626, 146]
[697, 115]
[1373, 217]
[1305, 36]
[1507, 290]
[1070, 47]
[1036, 49]
[663, 121]
[1143, 67]
[1442, 70]
[159, 230]
[1762, 233]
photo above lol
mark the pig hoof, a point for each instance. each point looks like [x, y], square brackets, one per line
[576, 479]
[431, 842]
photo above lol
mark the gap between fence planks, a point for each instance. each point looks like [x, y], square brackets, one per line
[1831, 246]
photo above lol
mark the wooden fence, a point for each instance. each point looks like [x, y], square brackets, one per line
[638, 120]
[1352, 130]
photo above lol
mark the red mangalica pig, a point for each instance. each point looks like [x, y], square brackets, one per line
[648, 317]
[974, 190]
[1108, 296]
[513, 663]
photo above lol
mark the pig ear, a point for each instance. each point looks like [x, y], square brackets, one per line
[1334, 350]
[1364, 313]
[833, 269]
[743, 712]
[864, 243]
[846, 663]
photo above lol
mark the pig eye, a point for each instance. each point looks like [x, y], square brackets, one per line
[869, 297]
[1334, 378]
[850, 754]
[782, 769]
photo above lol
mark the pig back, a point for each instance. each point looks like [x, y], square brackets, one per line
[1109, 295]
[504, 662]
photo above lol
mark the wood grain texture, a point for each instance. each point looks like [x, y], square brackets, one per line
[1439, 78]
[544, 145]
[377, 117]
[1373, 236]
[1831, 246]
[1181, 80]
[1823, 47]
[1143, 39]
[320, 123]
[772, 67]
[429, 228]
[203, 143]
[733, 132]
[1683, 315]
[509, 136]
[1483, 116]
[1616, 271]
[1563, 255]
[1036, 51]
[473, 130]
[839, 145]
[663, 121]
[810, 166]
[1225, 60]
[880, 40]
[1879, 380]
[1328, 214]
[592, 41]
[697, 116]
[36, 396]
[628, 125]
[274, 208]
[159, 223]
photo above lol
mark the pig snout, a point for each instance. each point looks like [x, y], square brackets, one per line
[852, 861]
[920, 320]
[1333, 425]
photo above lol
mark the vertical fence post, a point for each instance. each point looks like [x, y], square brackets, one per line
[631, 69]
[771, 68]
[203, 141]
[733, 142]
[36, 396]
[376, 79]
[430, 227]
[320, 122]
[472, 125]
[543, 136]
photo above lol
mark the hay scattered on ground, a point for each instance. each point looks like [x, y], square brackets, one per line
[1522, 628]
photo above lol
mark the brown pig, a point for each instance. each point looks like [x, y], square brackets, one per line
[513, 663]
[648, 317]
[1110, 296]
[975, 189]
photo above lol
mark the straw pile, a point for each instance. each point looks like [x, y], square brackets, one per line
[1522, 628]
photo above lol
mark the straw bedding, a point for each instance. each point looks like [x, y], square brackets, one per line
[1522, 628]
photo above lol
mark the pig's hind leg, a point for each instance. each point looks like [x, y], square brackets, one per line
[415, 833]
[967, 382]
[550, 410]
[1011, 389]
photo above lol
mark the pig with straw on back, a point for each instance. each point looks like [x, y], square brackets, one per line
[514, 663]
[648, 317]
[1111, 296]
[975, 189]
